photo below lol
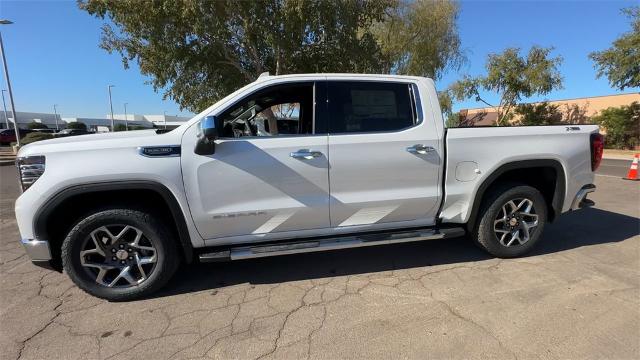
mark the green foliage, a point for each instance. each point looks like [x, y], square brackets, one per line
[35, 136]
[77, 125]
[622, 125]
[513, 77]
[420, 38]
[453, 120]
[199, 51]
[621, 62]
[446, 103]
[538, 114]
[119, 127]
[138, 127]
[36, 125]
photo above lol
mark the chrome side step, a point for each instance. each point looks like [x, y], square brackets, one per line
[344, 242]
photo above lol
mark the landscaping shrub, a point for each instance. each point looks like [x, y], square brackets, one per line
[35, 136]
[77, 125]
[36, 125]
[622, 126]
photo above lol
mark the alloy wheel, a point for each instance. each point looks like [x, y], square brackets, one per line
[118, 256]
[515, 222]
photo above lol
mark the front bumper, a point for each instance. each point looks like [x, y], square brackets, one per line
[581, 200]
[38, 250]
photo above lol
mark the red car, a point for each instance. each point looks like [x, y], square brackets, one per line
[7, 136]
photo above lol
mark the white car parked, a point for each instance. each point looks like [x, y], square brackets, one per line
[292, 164]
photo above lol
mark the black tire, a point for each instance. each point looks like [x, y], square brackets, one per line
[491, 208]
[167, 256]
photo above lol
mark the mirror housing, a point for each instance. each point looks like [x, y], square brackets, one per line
[207, 134]
[208, 128]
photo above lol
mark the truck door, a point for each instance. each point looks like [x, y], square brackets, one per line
[269, 173]
[384, 162]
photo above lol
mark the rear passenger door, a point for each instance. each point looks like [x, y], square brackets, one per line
[383, 157]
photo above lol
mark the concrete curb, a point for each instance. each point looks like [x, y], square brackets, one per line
[615, 154]
[617, 157]
[7, 162]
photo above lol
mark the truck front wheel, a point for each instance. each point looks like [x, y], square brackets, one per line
[512, 218]
[119, 254]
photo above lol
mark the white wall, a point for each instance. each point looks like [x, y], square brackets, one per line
[25, 118]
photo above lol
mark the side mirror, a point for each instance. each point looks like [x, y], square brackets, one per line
[208, 128]
[207, 134]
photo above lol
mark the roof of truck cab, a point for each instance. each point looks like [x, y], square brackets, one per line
[264, 77]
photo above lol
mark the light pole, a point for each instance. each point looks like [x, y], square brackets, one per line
[4, 106]
[55, 111]
[165, 120]
[6, 76]
[126, 120]
[111, 106]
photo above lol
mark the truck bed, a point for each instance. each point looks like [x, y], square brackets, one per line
[473, 154]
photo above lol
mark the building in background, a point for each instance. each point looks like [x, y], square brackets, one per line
[24, 118]
[574, 111]
[103, 125]
[157, 121]
[94, 124]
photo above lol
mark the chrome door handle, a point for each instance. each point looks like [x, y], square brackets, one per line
[420, 149]
[305, 154]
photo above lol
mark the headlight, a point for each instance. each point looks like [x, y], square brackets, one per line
[30, 168]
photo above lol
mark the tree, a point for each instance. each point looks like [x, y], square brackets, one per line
[575, 114]
[622, 125]
[621, 62]
[199, 51]
[420, 38]
[77, 125]
[538, 114]
[36, 125]
[446, 104]
[513, 78]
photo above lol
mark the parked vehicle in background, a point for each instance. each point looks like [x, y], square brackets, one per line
[71, 132]
[8, 136]
[293, 164]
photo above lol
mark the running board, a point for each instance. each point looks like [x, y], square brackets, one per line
[344, 242]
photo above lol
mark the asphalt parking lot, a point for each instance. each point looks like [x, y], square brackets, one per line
[577, 296]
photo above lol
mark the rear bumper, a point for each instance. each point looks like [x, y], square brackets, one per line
[581, 200]
[38, 250]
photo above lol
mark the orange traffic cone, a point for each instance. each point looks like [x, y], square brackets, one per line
[633, 170]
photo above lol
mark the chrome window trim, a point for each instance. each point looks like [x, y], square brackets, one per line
[269, 137]
[415, 92]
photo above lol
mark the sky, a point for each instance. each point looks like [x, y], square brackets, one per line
[54, 58]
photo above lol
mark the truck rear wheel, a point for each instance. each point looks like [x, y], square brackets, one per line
[119, 254]
[512, 218]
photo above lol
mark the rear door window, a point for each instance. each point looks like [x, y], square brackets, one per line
[369, 107]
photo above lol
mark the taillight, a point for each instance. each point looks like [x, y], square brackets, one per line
[597, 147]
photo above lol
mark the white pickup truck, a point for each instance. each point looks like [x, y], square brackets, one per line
[292, 164]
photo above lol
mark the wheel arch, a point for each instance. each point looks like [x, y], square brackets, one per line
[518, 171]
[147, 192]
